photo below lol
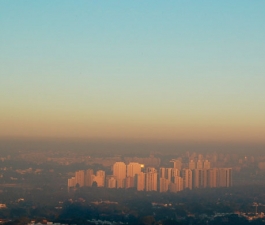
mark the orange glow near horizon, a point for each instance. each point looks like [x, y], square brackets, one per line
[133, 123]
[134, 129]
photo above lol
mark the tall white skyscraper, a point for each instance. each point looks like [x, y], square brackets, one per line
[119, 171]
[151, 179]
[133, 168]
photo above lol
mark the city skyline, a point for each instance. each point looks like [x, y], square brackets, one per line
[136, 71]
[135, 175]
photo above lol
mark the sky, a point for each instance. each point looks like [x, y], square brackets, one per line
[133, 70]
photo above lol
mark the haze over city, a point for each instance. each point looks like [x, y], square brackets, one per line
[156, 71]
[132, 112]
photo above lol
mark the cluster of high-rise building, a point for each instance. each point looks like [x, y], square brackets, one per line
[87, 178]
[198, 174]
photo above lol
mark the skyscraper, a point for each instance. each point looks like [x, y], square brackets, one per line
[111, 182]
[212, 178]
[177, 184]
[151, 179]
[192, 165]
[89, 177]
[129, 182]
[175, 172]
[71, 182]
[177, 164]
[133, 168]
[206, 164]
[205, 178]
[80, 178]
[140, 181]
[162, 172]
[169, 173]
[187, 178]
[199, 165]
[225, 177]
[119, 171]
[99, 178]
[163, 184]
[197, 178]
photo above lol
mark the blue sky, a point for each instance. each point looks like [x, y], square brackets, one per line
[164, 65]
